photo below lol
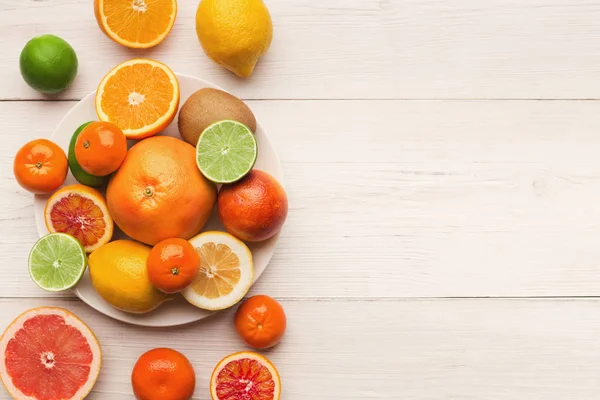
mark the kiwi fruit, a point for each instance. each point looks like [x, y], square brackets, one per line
[207, 106]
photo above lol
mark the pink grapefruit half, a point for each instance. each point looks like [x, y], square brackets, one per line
[48, 353]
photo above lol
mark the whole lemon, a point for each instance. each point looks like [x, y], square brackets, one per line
[234, 33]
[119, 274]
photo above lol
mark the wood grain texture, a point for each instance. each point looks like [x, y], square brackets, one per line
[400, 199]
[352, 48]
[418, 350]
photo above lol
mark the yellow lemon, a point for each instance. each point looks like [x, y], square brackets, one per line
[119, 274]
[234, 33]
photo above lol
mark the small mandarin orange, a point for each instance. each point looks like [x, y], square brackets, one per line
[40, 166]
[172, 265]
[261, 322]
[101, 148]
[163, 374]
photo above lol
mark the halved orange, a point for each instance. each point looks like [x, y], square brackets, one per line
[81, 212]
[245, 375]
[140, 96]
[137, 24]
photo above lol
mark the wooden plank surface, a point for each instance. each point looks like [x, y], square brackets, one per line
[353, 48]
[448, 199]
[418, 350]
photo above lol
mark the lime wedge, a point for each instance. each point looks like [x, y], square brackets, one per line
[57, 262]
[226, 151]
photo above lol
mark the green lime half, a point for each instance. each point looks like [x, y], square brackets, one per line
[57, 262]
[83, 177]
[48, 64]
[226, 151]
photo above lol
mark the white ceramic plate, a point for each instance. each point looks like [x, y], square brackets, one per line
[178, 311]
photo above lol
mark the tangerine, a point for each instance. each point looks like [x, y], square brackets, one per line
[260, 321]
[100, 148]
[163, 374]
[172, 265]
[40, 166]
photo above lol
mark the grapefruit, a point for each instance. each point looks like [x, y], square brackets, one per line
[81, 212]
[245, 375]
[158, 192]
[48, 353]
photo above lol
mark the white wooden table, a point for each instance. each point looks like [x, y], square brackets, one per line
[442, 160]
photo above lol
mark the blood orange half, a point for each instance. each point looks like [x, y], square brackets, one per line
[81, 212]
[48, 353]
[245, 376]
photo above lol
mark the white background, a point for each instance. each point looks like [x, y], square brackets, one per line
[442, 160]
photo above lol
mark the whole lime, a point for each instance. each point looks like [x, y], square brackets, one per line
[48, 64]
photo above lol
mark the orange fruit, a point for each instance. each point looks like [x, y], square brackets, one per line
[139, 96]
[158, 192]
[81, 212]
[245, 375]
[172, 265]
[100, 148]
[254, 208]
[49, 353]
[260, 321]
[163, 374]
[40, 166]
[137, 24]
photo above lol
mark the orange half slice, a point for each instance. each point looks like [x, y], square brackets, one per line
[140, 96]
[138, 24]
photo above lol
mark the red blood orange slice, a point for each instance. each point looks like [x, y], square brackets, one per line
[48, 353]
[81, 212]
[245, 376]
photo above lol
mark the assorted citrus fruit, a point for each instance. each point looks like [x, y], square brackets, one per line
[260, 321]
[40, 166]
[160, 192]
[81, 212]
[48, 353]
[245, 375]
[139, 23]
[163, 374]
[140, 96]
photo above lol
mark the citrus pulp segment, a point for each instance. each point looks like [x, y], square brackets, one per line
[57, 262]
[245, 375]
[226, 271]
[226, 151]
[140, 96]
[136, 23]
[81, 212]
[49, 353]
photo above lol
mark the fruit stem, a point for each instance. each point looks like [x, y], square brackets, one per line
[86, 144]
[148, 192]
[38, 164]
[175, 271]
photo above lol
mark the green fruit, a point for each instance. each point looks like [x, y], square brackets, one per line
[83, 177]
[57, 262]
[48, 64]
[226, 151]
[207, 106]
